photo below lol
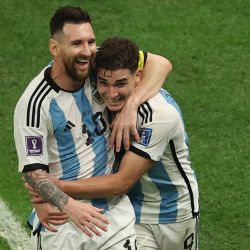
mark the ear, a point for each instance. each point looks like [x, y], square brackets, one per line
[138, 76]
[54, 47]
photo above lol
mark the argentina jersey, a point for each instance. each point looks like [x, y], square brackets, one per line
[65, 133]
[168, 192]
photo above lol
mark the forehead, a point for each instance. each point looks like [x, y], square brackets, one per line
[113, 75]
[81, 31]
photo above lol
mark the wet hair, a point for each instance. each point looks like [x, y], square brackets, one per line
[117, 53]
[68, 14]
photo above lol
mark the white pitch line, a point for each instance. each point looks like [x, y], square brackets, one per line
[11, 229]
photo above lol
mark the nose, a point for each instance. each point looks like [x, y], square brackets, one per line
[86, 51]
[112, 92]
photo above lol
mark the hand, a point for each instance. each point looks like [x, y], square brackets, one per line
[86, 217]
[50, 215]
[123, 125]
[35, 197]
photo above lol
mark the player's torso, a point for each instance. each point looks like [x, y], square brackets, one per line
[168, 192]
[77, 130]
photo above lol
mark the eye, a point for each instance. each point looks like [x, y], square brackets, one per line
[92, 42]
[76, 43]
[102, 82]
[121, 84]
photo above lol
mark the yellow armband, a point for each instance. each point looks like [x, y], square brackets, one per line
[141, 60]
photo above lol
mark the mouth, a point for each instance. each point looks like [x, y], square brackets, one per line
[114, 101]
[82, 63]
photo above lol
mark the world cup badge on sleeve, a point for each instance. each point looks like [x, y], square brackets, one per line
[34, 145]
[145, 135]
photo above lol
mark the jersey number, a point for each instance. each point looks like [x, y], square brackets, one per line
[189, 241]
[100, 127]
[128, 246]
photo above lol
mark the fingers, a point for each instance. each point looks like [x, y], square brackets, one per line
[99, 210]
[89, 227]
[123, 126]
[86, 231]
[58, 222]
[113, 133]
[93, 229]
[31, 190]
[37, 200]
[57, 217]
[49, 227]
[136, 135]
[100, 219]
[117, 133]
[126, 140]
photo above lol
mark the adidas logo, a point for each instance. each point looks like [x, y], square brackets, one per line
[69, 126]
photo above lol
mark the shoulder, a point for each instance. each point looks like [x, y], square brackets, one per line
[159, 108]
[35, 97]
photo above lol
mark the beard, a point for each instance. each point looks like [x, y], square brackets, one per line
[73, 73]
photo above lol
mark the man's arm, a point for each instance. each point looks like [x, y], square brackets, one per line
[131, 169]
[84, 216]
[154, 74]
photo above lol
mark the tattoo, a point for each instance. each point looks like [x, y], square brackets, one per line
[40, 181]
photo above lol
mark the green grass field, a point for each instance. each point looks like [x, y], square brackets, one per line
[208, 45]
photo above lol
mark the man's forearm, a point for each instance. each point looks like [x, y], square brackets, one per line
[109, 185]
[46, 188]
[154, 75]
[96, 187]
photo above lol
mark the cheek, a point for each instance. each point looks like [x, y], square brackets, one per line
[100, 89]
[93, 50]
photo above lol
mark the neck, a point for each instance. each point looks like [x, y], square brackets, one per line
[62, 79]
[112, 115]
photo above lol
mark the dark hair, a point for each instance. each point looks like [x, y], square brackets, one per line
[68, 14]
[117, 53]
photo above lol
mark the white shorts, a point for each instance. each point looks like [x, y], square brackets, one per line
[175, 236]
[120, 234]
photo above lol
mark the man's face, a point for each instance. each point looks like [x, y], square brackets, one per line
[116, 86]
[77, 45]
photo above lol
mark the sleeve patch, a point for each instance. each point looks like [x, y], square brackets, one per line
[34, 145]
[145, 134]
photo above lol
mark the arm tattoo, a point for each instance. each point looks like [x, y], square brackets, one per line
[46, 188]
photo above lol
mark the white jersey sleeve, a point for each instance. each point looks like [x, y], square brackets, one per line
[158, 124]
[30, 131]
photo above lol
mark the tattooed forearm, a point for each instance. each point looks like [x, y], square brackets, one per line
[40, 181]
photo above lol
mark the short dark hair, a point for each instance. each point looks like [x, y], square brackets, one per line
[68, 14]
[117, 53]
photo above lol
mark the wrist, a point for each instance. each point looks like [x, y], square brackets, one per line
[134, 101]
[68, 205]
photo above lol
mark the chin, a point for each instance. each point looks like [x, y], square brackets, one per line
[115, 108]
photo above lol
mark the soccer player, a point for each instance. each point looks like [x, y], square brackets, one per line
[156, 171]
[61, 127]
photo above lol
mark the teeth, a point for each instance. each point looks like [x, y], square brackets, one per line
[82, 61]
[113, 101]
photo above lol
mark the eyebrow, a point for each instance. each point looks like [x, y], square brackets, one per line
[122, 80]
[75, 41]
[117, 81]
[100, 78]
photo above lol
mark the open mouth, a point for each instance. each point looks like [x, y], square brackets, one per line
[82, 62]
[114, 101]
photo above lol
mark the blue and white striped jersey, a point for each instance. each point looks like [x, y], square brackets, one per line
[65, 133]
[168, 192]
